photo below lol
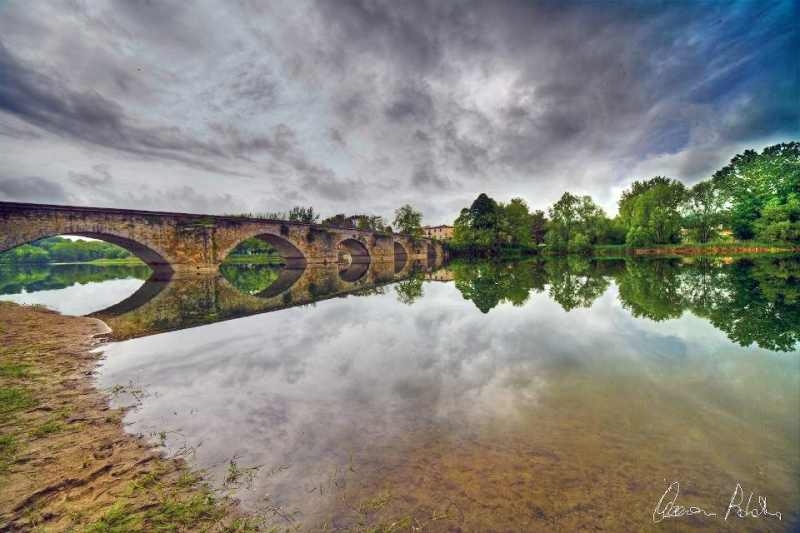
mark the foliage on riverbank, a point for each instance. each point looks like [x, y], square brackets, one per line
[754, 198]
[62, 250]
[254, 259]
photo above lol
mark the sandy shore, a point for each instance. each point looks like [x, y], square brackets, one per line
[66, 463]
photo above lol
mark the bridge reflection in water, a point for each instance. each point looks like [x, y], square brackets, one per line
[167, 302]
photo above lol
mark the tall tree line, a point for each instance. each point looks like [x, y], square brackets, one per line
[755, 196]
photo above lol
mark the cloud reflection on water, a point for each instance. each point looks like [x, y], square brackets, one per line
[308, 386]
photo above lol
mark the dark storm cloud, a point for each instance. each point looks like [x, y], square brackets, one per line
[410, 103]
[425, 176]
[588, 80]
[325, 183]
[336, 136]
[99, 176]
[33, 189]
[87, 116]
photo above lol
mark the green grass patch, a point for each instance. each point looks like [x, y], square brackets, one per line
[174, 512]
[14, 399]
[48, 428]
[8, 449]
[695, 245]
[16, 371]
[123, 261]
[254, 259]
[376, 503]
[116, 520]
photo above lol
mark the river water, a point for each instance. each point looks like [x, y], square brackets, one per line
[560, 395]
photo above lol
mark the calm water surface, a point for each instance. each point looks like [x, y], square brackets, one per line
[540, 396]
[70, 289]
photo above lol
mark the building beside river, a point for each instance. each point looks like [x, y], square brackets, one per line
[442, 231]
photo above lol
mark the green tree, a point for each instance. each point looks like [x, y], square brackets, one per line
[538, 227]
[302, 214]
[702, 210]
[651, 210]
[519, 222]
[762, 185]
[627, 201]
[254, 245]
[483, 213]
[563, 220]
[481, 229]
[408, 221]
[339, 220]
[572, 216]
[371, 222]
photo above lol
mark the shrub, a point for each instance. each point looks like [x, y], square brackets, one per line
[580, 244]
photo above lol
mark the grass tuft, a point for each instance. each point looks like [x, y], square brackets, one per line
[13, 399]
[16, 371]
[116, 520]
[48, 428]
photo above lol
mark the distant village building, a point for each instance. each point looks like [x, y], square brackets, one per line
[439, 232]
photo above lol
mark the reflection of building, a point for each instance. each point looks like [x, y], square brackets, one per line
[439, 232]
[443, 274]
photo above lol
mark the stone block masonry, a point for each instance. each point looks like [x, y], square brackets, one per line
[193, 242]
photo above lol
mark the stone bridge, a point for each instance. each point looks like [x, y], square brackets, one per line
[188, 242]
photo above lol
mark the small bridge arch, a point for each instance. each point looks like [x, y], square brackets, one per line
[291, 254]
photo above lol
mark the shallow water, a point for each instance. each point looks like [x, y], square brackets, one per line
[543, 396]
[70, 289]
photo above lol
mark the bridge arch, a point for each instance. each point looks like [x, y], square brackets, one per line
[148, 254]
[357, 250]
[400, 257]
[291, 254]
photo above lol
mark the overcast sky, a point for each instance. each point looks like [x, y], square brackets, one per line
[359, 107]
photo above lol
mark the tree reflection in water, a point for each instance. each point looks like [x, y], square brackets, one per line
[753, 300]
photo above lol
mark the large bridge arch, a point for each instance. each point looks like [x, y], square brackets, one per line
[153, 258]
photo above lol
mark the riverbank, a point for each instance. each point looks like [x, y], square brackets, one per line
[699, 249]
[129, 261]
[66, 463]
[667, 250]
